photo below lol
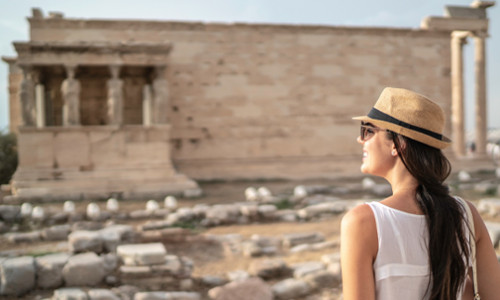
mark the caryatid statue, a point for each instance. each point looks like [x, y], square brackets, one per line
[115, 97]
[70, 89]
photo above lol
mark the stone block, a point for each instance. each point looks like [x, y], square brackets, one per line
[102, 294]
[69, 294]
[72, 149]
[17, 275]
[24, 237]
[167, 296]
[142, 254]
[49, 270]
[269, 268]
[125, 292]
[304, 269]
[322, 279]
[135, 271]
[238, 275]
[290, 289]
[249, 289]
[43, 157]
[172, 265]
[211, 280]
[294, 239]
[10, 213]
[56, 233]
[84, 269]
[81, 241]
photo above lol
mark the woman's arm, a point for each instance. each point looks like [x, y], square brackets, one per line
[488, 268]
[358, 249]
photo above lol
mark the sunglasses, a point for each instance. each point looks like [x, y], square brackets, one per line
[367, 131]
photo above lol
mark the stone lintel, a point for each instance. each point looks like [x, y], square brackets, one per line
[452, 24]
[97, 47]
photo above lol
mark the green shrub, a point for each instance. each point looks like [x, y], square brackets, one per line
[8, 156]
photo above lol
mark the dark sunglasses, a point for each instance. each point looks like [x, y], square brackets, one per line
[367, 131]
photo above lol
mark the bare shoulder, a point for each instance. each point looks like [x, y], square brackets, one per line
[358, 233]
[361, 215]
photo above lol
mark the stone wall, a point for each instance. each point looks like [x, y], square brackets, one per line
[261, 101]
[96, 161]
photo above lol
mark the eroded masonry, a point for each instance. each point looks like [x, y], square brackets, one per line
[139, 108]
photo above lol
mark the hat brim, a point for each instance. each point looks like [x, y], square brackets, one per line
[418, 136]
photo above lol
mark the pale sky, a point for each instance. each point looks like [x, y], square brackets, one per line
[383, 13]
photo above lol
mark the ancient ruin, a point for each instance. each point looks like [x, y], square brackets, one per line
[132, 108]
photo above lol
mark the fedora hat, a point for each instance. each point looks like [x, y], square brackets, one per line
[409, 114]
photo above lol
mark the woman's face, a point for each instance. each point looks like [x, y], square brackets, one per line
[377, 149]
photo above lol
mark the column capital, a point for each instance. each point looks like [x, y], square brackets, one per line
[461, 34]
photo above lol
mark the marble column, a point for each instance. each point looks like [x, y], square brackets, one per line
[70, 90]
[147, 100]
[40, 105]
[160, 96]
[115, 97]
[458, 39]
[480, 92]
[27, 97]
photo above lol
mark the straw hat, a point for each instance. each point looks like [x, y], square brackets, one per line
[409, 114]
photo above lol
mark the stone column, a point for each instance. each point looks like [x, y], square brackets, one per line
[70, 90]
[480, 92]
[458, 39]
[147, 100]
[27, 96]
[115, 97]
[160, 96]
[40, 105]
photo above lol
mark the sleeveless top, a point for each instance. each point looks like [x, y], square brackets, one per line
[401, 267]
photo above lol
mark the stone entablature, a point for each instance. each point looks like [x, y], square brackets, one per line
[86, 53]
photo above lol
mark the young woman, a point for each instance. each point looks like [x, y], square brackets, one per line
[414, 244]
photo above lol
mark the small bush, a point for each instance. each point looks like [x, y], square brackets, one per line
[8, 156]
[284, 204]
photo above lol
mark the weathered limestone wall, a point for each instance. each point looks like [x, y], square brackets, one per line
[96, 160]
[270, 100]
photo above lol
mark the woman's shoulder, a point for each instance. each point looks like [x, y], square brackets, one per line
[360, 215]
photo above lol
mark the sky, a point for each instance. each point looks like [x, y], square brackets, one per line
[382, 13]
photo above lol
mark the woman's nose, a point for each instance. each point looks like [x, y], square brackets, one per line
[359, 140]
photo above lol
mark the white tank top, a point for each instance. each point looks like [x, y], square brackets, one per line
[401, 266]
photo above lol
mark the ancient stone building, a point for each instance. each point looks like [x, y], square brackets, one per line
[128, 107]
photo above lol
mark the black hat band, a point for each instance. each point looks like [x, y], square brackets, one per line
[381, 116]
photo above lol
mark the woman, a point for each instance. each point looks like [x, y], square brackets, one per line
[415, 243]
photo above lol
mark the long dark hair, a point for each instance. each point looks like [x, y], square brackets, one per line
[448, 243]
